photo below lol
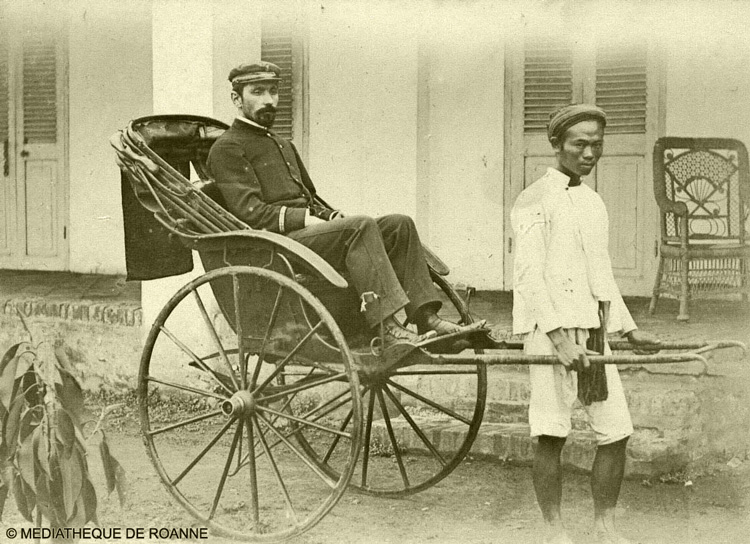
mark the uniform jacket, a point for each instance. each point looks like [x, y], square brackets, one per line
[261, 178]
[562, 267]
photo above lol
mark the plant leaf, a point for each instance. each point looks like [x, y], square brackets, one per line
[11, 424]
[110, 469]
[8, 367]
[41, 449]
[30, 388]
[8, 356]
[56, 514]
[72, 480]
[63, 359]
[65, 432]
[42, 494]
[28, 423]
[3, 496]
[88, 495]
[113, 471]
[26, 464]
[71, 397]
[26, 359]
[49, 368]
[25, 498]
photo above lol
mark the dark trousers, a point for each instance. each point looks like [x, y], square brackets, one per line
[381, 255]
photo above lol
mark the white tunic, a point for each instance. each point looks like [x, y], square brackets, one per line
[562, 267]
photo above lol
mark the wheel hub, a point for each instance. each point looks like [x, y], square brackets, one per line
[239, 404]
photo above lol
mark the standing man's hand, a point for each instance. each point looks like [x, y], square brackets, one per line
[570, 354]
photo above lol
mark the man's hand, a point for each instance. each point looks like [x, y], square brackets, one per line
[570, 354]
[642, 338]
[312, 220]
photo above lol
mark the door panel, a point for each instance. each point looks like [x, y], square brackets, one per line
[535, 169]
[34, 192]
[546, 73]
[6, 194]
[618, 180]
[41, 208]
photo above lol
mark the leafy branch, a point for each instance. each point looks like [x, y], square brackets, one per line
[43, 457]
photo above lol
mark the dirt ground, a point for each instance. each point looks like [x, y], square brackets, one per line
[481, 502]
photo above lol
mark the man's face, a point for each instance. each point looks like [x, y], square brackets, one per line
[580, 148]
[258, 102]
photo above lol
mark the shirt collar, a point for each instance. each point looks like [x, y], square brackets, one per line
[557, 178]
[252, 123]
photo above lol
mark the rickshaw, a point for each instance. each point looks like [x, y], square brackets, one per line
[262, 397]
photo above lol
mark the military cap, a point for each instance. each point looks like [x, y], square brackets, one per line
[256, 71]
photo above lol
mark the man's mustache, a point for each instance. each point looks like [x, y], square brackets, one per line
[266, 109]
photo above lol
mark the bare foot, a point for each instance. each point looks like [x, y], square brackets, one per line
[610, 537]
[557, 536]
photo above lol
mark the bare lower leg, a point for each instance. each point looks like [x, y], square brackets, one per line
[547, 475]
[606, 479]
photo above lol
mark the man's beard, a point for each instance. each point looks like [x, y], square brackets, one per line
[265, 116]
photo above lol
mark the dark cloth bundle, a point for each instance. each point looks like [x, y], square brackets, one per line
[150, 252]
[592, 384]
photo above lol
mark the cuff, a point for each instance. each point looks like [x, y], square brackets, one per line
[294, 218]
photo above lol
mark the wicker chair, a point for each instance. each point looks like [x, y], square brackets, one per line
[702, 187]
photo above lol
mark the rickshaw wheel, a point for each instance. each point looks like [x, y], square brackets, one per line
[414, 436]
[217, 425]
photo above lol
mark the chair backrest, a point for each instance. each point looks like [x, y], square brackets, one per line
[710, 177]
[157, 152]
[181, 140]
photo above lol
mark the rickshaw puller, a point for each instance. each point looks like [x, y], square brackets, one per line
[564, 290]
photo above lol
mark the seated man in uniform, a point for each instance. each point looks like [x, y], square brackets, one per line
[264, 183]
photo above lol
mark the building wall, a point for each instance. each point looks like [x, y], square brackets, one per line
[406, 104]
[463, 181]
[363, 108]
[708, 80]
[110, 82]
[404, 121]
[236, 39]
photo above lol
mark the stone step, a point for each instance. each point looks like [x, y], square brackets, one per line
[655, 401]
[648, 454]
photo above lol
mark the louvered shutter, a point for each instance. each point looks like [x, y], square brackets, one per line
[39, 86]
[547, 83]
[276, 47]
[4, 97]
[621, 88]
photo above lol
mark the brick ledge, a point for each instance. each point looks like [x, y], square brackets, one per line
[87, 311]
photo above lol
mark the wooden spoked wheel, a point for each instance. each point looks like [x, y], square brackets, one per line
[419, 421]
[218, 420]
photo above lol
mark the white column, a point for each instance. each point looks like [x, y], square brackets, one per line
[182, 83]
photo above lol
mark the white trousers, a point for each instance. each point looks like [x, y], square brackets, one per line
[554, 391]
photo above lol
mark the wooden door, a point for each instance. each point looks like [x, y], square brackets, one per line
[33, 191]
[622, 78]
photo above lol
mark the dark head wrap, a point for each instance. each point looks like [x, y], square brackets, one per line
[563, 118]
